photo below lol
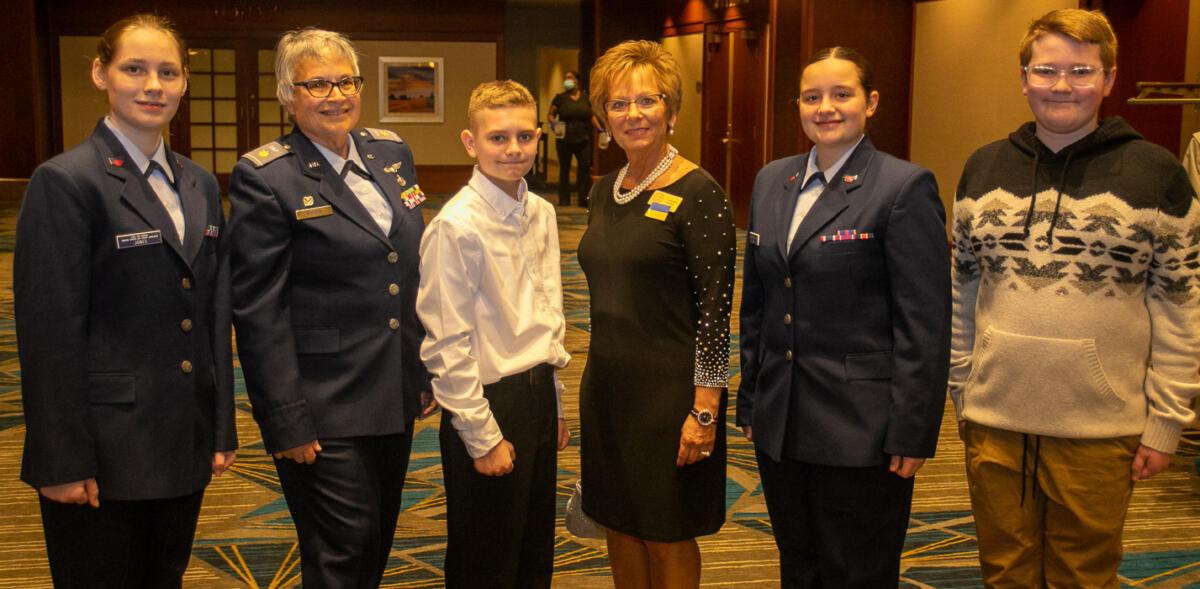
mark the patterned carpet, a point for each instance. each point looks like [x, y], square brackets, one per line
[245, 536]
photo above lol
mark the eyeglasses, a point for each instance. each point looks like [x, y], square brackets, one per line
[1045, 76]
[318, 88]
[647, 102]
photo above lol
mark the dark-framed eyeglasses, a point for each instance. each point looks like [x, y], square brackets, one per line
[1045, 76]
[647, 102]
[319, 88]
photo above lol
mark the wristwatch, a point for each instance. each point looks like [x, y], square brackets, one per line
[703, 417]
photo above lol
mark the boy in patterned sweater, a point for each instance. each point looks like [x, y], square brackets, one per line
[1074, 350]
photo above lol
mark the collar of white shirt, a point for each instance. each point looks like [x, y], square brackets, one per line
[338, 162]
[831, 170]
[139, 159]
[495, 197]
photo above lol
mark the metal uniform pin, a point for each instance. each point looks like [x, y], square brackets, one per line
[314, 165]
[307, 200]
[400, 180]
[848, 178]
[370, 156]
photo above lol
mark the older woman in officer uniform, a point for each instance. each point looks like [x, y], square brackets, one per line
[121, 285]
[325, 226]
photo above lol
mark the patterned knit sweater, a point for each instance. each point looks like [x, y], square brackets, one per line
[1076, 309]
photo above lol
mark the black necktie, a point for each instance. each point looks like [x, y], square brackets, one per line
[157, 166]
[819, 176]
[353, 167]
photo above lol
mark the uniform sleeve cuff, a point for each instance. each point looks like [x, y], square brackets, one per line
[287, 427]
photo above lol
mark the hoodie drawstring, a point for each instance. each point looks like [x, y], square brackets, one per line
[1062, 180]
[1033, 195]
[1037, 450]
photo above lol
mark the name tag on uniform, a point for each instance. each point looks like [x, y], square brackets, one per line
[661, 204]
[314, 212]
[131, 240]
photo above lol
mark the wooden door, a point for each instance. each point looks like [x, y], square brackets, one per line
[732, 145]
[230, 107]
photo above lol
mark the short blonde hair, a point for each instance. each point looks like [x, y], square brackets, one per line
[295, 46]
[1084, 26]
[498, 94]
[644, 56]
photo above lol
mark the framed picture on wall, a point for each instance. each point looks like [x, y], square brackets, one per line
[412, 90]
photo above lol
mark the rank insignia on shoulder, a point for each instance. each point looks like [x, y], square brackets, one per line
[265, 154]
[381, 135]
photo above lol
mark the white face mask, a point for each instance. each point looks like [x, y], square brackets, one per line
[569, 84]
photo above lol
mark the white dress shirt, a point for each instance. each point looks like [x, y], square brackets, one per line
[490, 300]
[369, 194]
[810, 192]
[162, 181]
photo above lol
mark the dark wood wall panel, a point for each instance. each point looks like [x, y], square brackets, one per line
[881, 30]
[26, 130]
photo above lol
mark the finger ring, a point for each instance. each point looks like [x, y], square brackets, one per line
[705, 453]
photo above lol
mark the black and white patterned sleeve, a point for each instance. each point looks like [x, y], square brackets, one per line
[710, 244]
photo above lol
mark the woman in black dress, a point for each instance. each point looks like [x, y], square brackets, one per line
[659, 258]
[572, 108]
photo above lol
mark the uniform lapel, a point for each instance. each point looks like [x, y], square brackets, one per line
[135, 191]
[387, 180]
[835, 199]
[786, 207]
[333, 188]
[195, 208]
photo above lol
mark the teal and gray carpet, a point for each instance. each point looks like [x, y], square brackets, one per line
[245, 536]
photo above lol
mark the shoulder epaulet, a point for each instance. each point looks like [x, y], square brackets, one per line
[380, 135]
[265, 154]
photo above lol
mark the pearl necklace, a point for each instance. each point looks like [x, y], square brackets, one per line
[654, 174]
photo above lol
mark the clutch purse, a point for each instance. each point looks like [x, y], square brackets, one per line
[577, 522]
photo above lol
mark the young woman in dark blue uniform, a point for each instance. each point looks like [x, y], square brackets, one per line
[121, 283]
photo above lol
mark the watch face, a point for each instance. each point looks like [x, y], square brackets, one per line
[704, 417]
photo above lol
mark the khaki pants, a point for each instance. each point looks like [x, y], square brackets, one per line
[1065, 531]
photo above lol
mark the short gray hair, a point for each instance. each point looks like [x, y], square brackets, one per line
[295, 46]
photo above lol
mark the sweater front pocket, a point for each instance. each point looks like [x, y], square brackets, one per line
[1034, 380]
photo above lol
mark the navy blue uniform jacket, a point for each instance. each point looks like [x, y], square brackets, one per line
[126, 369]
[846, 342]
[325, 301]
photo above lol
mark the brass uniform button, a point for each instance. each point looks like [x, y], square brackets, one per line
[186, 366]
[393, 289]
[788, 355]
[393, 257]
[787, 318]
[187, 283]
[394, 323]
[185, 325]
[787, 282]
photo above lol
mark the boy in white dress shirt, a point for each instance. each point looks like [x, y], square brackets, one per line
[491, 302]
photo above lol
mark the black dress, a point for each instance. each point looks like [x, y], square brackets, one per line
[661, 295]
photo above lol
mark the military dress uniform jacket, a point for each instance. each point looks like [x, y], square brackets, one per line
[845, 337]
[324, 301]
[123, 331]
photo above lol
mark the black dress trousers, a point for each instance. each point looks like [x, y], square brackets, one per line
[121, 544]
[345, 507]
[501, 529]
[835, 526]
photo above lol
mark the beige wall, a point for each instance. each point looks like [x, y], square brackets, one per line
[1191, 115]
[82, 103]
[466, 65]
[689, 52]
[966, 79]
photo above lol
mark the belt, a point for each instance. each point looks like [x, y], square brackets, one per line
[540, 374]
